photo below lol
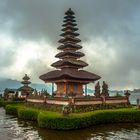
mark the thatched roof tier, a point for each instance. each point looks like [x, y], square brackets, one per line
[69, 46]
[69, 27]
[67, 54]
[25, 88]
[69, 23]
[69, 39]
[65, 63]
[69, 17]
[26, 82]
[69, 32]
[69, 74]
[67, 20]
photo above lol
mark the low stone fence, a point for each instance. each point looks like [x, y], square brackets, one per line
[116, 100]
[87, 100]
[78, 104]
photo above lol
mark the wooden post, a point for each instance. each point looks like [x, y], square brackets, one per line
[66, 88]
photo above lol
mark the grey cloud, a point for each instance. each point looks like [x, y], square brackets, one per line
[42, 19]
[115, 22]
[7, 52]
[6, 58]
[37, 67]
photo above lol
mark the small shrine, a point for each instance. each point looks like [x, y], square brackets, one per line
[9, 94]
[25, 89]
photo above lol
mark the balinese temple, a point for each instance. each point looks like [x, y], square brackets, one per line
[71, 80]
[69, 76]
[26, 89]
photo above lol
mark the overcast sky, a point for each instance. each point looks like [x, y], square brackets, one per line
[109, 30]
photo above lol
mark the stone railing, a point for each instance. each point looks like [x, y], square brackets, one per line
[87, 100]
[116, 100]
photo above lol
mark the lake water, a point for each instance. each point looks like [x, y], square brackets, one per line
[133, 97]
[12, 128]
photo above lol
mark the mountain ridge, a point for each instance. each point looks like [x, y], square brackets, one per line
[15, 84]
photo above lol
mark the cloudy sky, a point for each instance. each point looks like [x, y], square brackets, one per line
[109, 30]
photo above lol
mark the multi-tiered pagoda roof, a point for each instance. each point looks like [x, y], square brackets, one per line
[26, 88]
[69, 64]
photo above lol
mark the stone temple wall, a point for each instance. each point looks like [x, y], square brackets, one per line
[79, 102]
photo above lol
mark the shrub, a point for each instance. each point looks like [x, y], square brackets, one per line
[28, 114]
[4, 103]
[77, 121]
[12, 109]
[1, 103]
[55, 120]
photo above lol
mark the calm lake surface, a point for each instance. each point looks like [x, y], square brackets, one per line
[12, 128]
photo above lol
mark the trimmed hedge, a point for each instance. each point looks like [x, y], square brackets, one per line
[22, 112]
[77, 121]
[55, 120]
[12, 109]
[28, 114]
[4, 103]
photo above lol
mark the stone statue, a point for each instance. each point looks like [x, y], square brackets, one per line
[105, 90]
[127, 93]
[97, 89]
[35, 92]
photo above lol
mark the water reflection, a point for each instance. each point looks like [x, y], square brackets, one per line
[134, 97]
[13, 129]
[101, 132]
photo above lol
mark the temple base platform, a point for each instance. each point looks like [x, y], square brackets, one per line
[78, 104]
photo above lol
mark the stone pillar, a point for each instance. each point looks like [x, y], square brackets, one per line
[52, 88]
[86, 90]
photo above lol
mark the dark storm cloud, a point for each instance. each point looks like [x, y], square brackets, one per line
[42, 19]
[113, 22]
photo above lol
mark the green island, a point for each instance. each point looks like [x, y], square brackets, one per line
[71, 103]
[56, 120]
